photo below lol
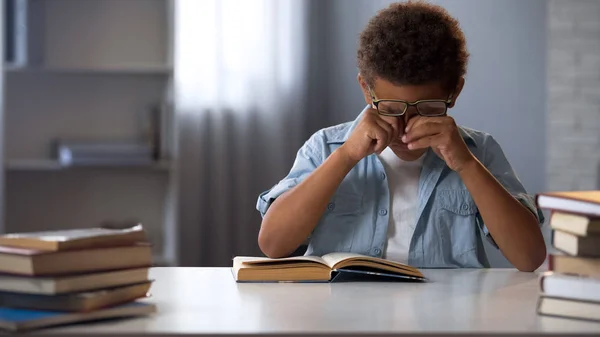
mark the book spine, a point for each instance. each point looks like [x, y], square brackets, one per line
[21, 40]
[541, 282]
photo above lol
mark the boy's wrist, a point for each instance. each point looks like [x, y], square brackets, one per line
[469, 168]
[345, 157]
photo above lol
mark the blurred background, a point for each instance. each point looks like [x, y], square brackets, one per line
[178, 113]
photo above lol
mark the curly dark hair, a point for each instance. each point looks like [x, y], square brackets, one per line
[412, 43]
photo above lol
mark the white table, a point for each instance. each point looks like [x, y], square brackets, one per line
[202, 301]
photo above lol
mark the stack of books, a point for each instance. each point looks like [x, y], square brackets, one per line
[571, 286]
[70, 276]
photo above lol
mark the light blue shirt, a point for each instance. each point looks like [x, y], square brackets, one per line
[449, 229]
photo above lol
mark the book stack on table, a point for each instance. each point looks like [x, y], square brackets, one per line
[70, 276]
[571, 287]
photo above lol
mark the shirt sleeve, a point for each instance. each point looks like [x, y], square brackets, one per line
[307, 160]
[497, 163]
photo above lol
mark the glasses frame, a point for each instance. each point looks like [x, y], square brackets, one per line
[376, 101]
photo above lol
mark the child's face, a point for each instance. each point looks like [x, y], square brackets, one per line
[410, 93]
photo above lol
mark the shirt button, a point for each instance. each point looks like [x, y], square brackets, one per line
[383, 176]
[465, 207]
[331, 206]
[382, 212]
[377, 251]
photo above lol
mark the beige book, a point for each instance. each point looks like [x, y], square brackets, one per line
[71, 239]
[53, 285]
[580, 225]
[38, 262]
[572, 287]
[576, 245]
[566, 308]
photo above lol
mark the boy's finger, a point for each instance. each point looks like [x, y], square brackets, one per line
[413, 122]
[380, 137]
[424, 142]
[418, 120]
[393, 122]
[419, 131]
[388, 128]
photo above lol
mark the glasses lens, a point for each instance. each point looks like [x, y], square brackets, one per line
[432, 108]
[391, 108]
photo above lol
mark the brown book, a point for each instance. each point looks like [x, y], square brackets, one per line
[576, 245]
[577, 202]
[580, 225]
[327, 268]
[72, 283]
[72, 239]
[574, 265]
[76, 302]
[38, 262]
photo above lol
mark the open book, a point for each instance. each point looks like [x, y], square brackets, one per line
[328, 268]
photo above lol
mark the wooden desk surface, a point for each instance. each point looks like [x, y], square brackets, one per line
[202, 301]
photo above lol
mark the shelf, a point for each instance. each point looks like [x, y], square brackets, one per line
[135, 70]
[53, 165]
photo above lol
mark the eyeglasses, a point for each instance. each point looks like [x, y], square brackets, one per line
[398, 107]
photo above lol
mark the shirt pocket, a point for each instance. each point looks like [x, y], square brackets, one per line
[335, 231]
[456, 223]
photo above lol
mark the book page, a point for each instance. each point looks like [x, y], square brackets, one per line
[332, 259]
[249, 260]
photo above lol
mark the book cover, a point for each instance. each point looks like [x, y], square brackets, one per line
[577, 202]
[77, 282]
[70, 239]
[12, 319]
[573, 287]
[52, 263]
[76, 302]
[574, 265]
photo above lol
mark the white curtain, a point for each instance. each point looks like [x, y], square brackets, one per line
[240, 94]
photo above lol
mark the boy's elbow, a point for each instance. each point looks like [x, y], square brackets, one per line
[268, 246]
[535, 260]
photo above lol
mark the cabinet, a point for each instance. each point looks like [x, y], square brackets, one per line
[89, 70]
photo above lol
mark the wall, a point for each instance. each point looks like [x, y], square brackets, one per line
[505, 89]
[574, 95]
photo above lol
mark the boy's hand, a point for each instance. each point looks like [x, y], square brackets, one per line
[372, 135]
[442, 135]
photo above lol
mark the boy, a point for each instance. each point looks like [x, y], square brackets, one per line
[403, 181]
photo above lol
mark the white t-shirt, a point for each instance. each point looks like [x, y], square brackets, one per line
[403, 181]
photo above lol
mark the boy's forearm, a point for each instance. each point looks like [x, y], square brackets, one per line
[293, 215]
[514, 228]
